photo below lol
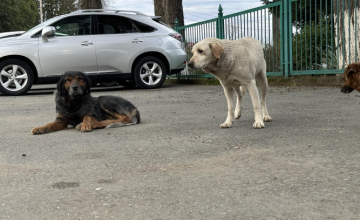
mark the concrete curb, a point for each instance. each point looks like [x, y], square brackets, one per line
[323, 80]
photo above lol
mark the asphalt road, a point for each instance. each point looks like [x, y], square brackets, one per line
[179, 164]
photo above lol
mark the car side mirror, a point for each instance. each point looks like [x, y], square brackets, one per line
[47, 31]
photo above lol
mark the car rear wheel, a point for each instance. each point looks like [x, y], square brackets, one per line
[150, 73]
[16, 77]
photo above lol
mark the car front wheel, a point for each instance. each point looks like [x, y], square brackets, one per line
[150, 73]
[16, 77]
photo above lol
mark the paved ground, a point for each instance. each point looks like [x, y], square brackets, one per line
[179, 164]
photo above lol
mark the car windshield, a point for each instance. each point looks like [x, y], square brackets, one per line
[45, 23]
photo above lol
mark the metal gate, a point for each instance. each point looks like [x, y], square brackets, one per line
[299, 37]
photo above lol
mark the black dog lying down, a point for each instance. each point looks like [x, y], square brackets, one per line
[75, 106]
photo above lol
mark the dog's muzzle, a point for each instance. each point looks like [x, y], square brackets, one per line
[191, 65]
[75, 90]
[346, 89]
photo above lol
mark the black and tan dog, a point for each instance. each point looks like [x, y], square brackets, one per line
[351, 78]
[75, 106]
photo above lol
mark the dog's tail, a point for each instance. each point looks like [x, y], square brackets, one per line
[135, 119]
[243, 90]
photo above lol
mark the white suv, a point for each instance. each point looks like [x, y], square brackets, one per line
[107, 45]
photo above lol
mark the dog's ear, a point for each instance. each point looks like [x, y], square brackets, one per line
[88, 84]
[217, 49]
[60, 87]
[351, 69]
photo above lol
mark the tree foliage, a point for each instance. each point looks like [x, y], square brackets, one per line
[312, 43]
[310, 11]
[17, 15]
[53, 8]
[305, 11]
[313, 47]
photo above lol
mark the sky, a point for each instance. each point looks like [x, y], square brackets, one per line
[194, 10]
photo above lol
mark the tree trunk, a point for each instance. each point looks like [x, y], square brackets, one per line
[345, 25]
[159, 7]
[169, 10]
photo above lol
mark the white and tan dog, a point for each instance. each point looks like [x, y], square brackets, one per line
[236, 64]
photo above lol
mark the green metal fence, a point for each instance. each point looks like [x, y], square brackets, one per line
[300, 37]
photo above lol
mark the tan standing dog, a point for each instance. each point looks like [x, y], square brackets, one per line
[237, 64]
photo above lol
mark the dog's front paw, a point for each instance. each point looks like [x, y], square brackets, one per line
[226, 125]
[85, 128]
[38, 130]
[259, 124]
[78, 127]
[267, 118]
[238, 114]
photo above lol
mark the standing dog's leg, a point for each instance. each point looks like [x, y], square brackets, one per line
[259, 123]
[238, 102]
[229, 93]
[263, 83]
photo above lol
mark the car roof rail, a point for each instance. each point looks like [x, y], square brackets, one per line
[107, 10]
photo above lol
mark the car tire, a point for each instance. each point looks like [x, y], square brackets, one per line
[16, 77]
[149, 73]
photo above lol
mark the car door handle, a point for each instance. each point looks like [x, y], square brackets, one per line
[87, 43]
[135, 41]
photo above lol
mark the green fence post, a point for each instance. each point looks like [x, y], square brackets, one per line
[286, 37]
[176, 27]
[290, 41]
[220, 24]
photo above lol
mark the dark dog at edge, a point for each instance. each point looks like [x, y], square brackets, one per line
[351, 78]
[75, 106]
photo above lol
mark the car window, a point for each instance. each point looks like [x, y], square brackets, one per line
[109, 24]
[75, 25]
[143, 27]
[45, 23]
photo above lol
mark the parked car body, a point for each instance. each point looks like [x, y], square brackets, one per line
[107, 45]
[11, 34]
